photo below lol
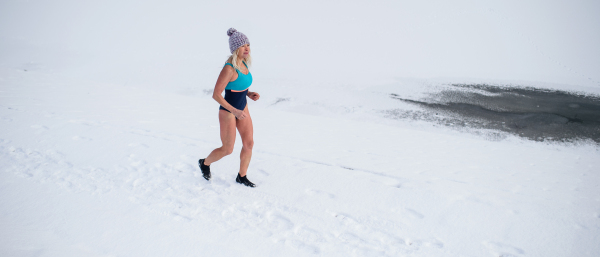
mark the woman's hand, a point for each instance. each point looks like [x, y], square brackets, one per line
[253, 95]
[240, 115]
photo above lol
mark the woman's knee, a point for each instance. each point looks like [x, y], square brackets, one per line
[248, 144]
[228, 149]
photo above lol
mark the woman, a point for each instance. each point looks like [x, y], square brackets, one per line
[235, 79]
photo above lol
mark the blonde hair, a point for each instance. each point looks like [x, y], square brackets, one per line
[234, 56]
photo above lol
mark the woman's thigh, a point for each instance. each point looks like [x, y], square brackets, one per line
[245, 128]
[227, 124]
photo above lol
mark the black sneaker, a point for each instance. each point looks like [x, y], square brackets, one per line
[244, 180]
[205, 169]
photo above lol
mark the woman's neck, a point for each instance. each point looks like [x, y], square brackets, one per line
[240, 61]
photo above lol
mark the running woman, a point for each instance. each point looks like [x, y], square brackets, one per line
[235, 79]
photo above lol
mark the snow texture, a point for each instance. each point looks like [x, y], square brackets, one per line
[105, 109]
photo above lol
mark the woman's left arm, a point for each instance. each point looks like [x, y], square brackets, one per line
[253, 95]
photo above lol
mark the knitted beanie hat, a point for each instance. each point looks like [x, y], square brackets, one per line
[236, 39]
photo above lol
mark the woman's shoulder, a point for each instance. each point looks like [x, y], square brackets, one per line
[230, 68]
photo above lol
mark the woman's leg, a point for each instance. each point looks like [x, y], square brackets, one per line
[247, 134]
[227, 124]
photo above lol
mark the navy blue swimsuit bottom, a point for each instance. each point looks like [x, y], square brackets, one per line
[236, 99]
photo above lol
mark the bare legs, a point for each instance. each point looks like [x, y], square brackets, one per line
[246, 133]
[228, 124]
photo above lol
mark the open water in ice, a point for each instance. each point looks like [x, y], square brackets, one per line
[537, 114]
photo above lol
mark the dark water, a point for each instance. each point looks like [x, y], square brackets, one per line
[536, 114]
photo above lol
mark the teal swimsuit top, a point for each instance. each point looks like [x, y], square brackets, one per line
[242, 82]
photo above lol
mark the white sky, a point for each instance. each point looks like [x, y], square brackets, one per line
[356, 41]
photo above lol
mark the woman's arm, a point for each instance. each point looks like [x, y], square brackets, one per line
[224, 77]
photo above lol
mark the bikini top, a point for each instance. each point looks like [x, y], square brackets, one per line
[242, 82]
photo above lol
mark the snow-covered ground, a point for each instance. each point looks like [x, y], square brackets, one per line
[105, 109]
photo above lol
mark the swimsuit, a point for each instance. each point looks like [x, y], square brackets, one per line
[237, 99]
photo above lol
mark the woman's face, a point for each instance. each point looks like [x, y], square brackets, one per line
[244, 51]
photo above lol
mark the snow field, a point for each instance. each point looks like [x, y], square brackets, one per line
[108, 170]
[105, 110]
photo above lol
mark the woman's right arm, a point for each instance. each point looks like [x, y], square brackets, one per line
[224, 77]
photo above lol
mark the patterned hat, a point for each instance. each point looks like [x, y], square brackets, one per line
[236, 39]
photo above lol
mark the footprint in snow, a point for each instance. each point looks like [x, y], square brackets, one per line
[349, 222]
[392, 183]
[308, 235]
[138, 145]
[79, 138]
[364, 251]
[350, 238]
[302, 246]
[433, 243]
[85, 122]
[414, 214]
[279, 222]
[40, 128]
[216, 181]
[503, 250]
[181, 167]
[138, 163]
[313, 192]
[263, 172]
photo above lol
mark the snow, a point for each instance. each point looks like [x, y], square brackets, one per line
[105, 109]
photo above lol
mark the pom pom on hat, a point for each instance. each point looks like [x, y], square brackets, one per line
[231, 31]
